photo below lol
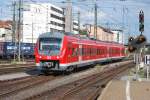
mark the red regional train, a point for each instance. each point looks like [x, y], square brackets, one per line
[65, 52]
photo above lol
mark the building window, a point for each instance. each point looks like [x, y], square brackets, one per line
[75, 29]
[57, 17]
[57, 24]
[56, 10]
[3, 35]
[74, 23]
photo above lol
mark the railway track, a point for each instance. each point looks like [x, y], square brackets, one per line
[83, 89]
[11, 68]
[9, 61]
[12, 87]
[24, 87]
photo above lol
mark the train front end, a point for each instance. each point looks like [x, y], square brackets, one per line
[48, 51]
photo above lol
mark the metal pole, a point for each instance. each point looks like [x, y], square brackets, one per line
[147, 68]
[14, 28]
[95, 22]
[79, 21]
[47, 19]
[19, 31]
[68, 17]
[123, 18]
[32, 33]
[22, 29]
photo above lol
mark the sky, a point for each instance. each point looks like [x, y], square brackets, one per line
[115, 14]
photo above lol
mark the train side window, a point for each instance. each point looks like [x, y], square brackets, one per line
[109, 50]
[72, 51]
[75, 51]
[103, 51]
[87, 51]
[99, 51]
[78, 51]
[82, 51]
[122, 51]
[90, 51]
[95, 51]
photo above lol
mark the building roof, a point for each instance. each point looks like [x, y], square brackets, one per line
[5, 24]
[104, 29]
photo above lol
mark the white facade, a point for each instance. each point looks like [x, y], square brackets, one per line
[118, 36]
[41, 18]
[75, 27]
[5, 35]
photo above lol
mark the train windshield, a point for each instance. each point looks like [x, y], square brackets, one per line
[50, 46]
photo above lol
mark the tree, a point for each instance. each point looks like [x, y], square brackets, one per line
[83, 32]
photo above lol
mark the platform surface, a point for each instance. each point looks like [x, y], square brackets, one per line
[126, 90]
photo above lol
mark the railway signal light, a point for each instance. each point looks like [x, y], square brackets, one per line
[141, 17]
[141, 39]
[131, 45]
[141, 21]
[131, 48]
[135, 44]
[131, 39]
[141, 27]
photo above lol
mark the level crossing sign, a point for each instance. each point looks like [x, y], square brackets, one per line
[147, 59]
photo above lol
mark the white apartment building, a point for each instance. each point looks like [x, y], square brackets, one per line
[41, 18]
[5, 35]
[5, 31]
[75, 27]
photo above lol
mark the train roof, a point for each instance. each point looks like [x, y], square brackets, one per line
[62, 34]
[49, 34]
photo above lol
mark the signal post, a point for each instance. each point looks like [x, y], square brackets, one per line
[135, 44]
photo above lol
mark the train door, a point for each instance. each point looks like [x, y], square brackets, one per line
[80, 53]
